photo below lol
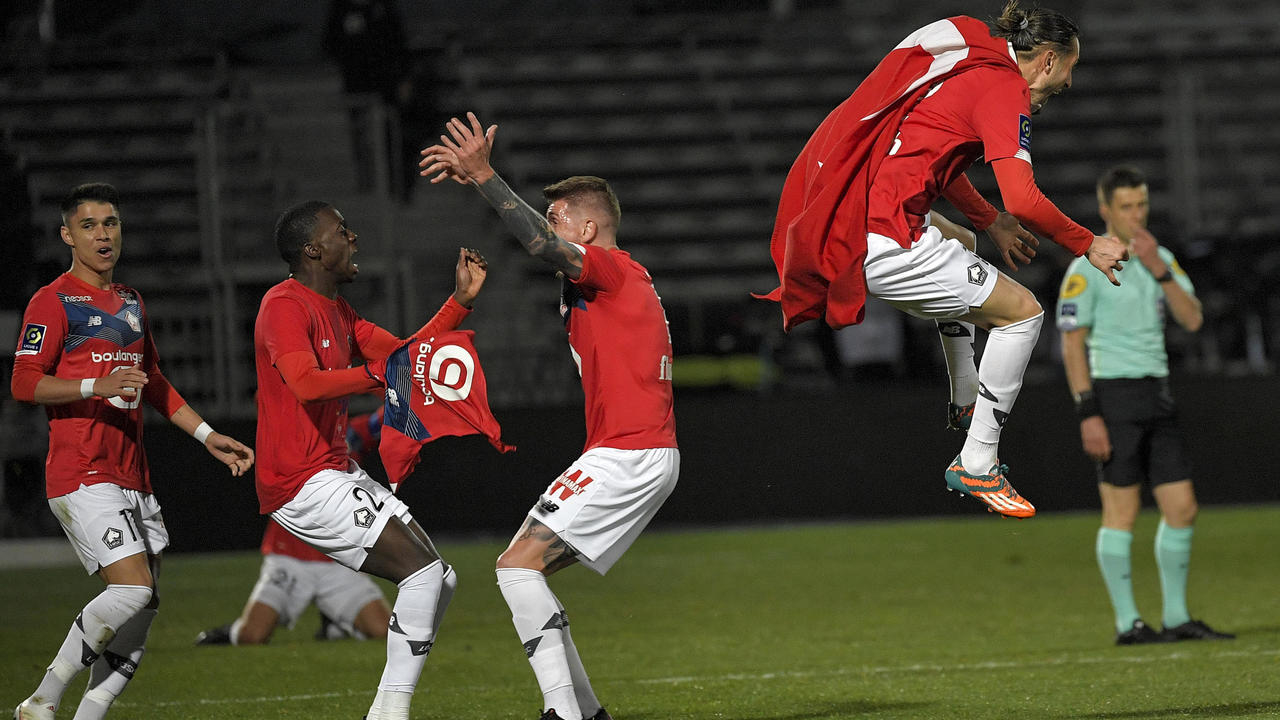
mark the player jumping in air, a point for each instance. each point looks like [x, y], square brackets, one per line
[618, 337]
[854, 216]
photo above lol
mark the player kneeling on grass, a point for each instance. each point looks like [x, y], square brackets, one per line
[293, 576]
[87, 355]
[311, 352]
[618, 337]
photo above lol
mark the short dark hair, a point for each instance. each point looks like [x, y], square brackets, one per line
[89, 192]
[294, 228]
[1027, 30]
[586, 186]
[1120, 176]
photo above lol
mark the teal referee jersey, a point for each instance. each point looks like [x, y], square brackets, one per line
[1126, 323]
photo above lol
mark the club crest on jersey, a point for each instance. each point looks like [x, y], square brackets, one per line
[134, 323]
[32, 339]
[1024, 132]
[977, 274]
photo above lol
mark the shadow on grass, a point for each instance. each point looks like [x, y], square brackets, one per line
[1269, 709]
[832, 711]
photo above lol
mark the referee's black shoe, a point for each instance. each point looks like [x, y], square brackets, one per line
[1140, 634]
[1194, 630]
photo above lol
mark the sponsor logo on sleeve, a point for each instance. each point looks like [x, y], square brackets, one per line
[1073, 286]
[32, 339]
[1024, 132]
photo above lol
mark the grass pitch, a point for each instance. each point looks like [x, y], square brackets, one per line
[958, 618]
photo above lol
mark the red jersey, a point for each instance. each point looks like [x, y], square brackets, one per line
[74, 330]
[984, 112]
[619, 338]
[278, 541]
[297, 440]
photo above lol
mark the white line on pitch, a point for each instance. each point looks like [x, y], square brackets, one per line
[738, 677]
[963, 667]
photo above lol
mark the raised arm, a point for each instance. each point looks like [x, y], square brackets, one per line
[463, 155]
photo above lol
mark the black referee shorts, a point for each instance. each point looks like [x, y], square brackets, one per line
[1143, 423]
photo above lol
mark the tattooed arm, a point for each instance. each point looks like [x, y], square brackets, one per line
[464, 157]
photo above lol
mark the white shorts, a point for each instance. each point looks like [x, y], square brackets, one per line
[106, 523]
[605, 499]
[935, 278]
[287, 585]
[341, 514]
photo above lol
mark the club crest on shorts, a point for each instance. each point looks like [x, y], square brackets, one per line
[113, 538]
[364, 517]
[977, 274]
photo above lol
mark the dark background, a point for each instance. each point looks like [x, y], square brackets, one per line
[860, 451]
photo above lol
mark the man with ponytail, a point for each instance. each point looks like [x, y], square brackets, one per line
[854, 216]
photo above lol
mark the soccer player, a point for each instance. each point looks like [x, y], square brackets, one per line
[87, 355]
[854, 218]
[312, 351]
[1114, 352]
[294, 575]
[618, 337]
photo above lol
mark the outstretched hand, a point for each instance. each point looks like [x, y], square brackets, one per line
[462, 155]
[230, 452]
[1106, 254]
[1014, 242]
[469, 276]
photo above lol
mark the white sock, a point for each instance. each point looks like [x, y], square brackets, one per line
[539, 620]
[448, 584]
[116, 666]
[410, 637]
[235, 630]
[1004, 360]
[957, 348]
[587, 701]
[94, 627]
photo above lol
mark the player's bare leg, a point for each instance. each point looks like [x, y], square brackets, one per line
[404, 555]
[129, 591]
[372, 620]
[1012, 316]
[541, 621]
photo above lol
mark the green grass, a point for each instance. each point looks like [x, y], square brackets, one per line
[960, 618]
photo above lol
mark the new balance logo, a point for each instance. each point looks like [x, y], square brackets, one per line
[120, 664]
[419, 647]
[953, 329]
[1001, 417]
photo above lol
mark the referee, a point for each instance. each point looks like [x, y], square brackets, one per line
[1118, 371]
